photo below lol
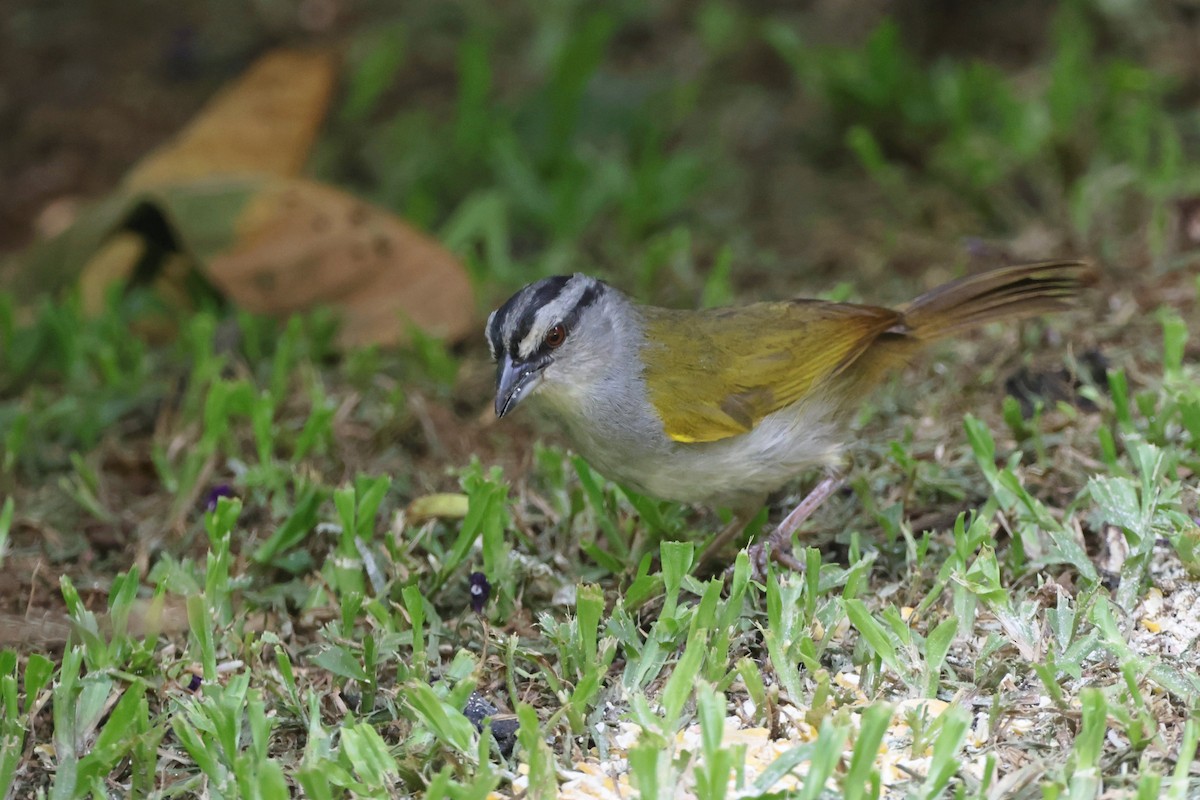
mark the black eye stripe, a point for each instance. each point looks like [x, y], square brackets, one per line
[544, 292]
[514, 320]
[588, 298]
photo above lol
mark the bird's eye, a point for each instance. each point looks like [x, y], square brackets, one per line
[555, 336]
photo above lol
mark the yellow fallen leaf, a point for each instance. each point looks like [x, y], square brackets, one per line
[437, 506]
[112, 264]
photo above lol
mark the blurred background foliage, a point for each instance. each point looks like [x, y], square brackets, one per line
[653, 142]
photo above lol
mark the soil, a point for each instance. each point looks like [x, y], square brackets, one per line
[89, 87]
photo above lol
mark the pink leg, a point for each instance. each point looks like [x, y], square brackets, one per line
[779, 541]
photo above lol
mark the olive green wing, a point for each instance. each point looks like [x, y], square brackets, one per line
[715, 374]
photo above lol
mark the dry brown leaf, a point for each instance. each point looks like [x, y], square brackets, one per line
[265, 122]
[299, 244]
[222, 198]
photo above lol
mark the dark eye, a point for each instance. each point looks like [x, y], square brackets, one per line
[555, 336]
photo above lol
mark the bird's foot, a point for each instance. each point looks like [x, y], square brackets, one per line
[778, 545]
[764, 552]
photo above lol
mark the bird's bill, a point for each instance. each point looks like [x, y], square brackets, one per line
[514, 382]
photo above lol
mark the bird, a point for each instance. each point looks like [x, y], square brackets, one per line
[723, 406]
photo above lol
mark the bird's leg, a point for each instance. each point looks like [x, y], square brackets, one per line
[780, 539]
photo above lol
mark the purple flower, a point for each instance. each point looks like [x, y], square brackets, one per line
[480, 590]
[215, 494]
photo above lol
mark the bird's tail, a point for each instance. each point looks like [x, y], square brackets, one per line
[1024, 290]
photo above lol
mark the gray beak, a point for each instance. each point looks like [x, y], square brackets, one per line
[514, 382]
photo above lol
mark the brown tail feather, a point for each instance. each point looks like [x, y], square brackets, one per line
[1014, 292]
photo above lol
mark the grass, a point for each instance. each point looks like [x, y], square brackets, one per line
[287, 570]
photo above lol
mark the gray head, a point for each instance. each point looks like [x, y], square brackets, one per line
[551, 332]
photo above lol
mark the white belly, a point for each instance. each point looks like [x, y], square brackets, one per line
[740, 470]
